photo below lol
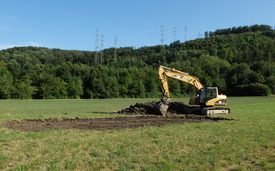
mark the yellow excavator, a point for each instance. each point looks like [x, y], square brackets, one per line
[205, 97]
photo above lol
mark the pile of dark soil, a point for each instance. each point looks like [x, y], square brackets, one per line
[147, 109]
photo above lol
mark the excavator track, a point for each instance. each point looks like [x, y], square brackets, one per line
[210, 111]
[161, 109]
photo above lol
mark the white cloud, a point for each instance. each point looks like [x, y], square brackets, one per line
[7, 46]
[35, 44]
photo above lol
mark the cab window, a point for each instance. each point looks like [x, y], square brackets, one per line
[211, 93]
[202, 96]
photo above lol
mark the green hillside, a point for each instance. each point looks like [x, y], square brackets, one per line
[238, 60]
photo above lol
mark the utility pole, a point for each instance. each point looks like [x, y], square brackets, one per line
[175, 33]
[101, 54]
[162, 34]
[185, 32]
[96, 48]
[115, 59]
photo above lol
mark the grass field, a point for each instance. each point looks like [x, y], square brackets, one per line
[245, 144]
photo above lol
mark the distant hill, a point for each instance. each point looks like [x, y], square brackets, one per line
[238, 60]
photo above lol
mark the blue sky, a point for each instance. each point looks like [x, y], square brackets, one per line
[72, 24]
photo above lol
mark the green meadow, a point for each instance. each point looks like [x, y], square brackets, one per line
[246, 143]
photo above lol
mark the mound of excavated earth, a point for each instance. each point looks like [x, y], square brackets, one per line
[108, 123]
[147, 109]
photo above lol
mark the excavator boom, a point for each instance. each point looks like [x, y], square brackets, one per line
[178, 75]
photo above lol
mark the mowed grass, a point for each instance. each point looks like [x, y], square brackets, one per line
[245, 144]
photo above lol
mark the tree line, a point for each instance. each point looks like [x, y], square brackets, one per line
[237, 63]
[237, 30]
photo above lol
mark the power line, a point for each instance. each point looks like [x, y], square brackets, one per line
[175, 33]
[96, 48]
[101, 54]
[162, 34]
[185, 32]
[115, 55]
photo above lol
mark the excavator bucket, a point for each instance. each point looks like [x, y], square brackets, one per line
[160, 108]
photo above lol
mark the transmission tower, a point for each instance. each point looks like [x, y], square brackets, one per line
[101, 54]
[185, 32]
[199, 35]
[162, 34]
[115, 50]
[175, 33]
[96, 48]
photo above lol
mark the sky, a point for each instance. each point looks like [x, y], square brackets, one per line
[73, 24]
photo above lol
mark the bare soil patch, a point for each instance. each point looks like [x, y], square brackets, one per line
[108, 123]
[147, 118]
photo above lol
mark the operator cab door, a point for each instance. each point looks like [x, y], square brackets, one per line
[207, 95]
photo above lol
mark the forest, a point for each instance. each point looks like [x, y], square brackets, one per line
[238, 60]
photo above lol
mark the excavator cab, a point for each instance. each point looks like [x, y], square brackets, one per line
[208, 93]
[204, 95]
[209, 96]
